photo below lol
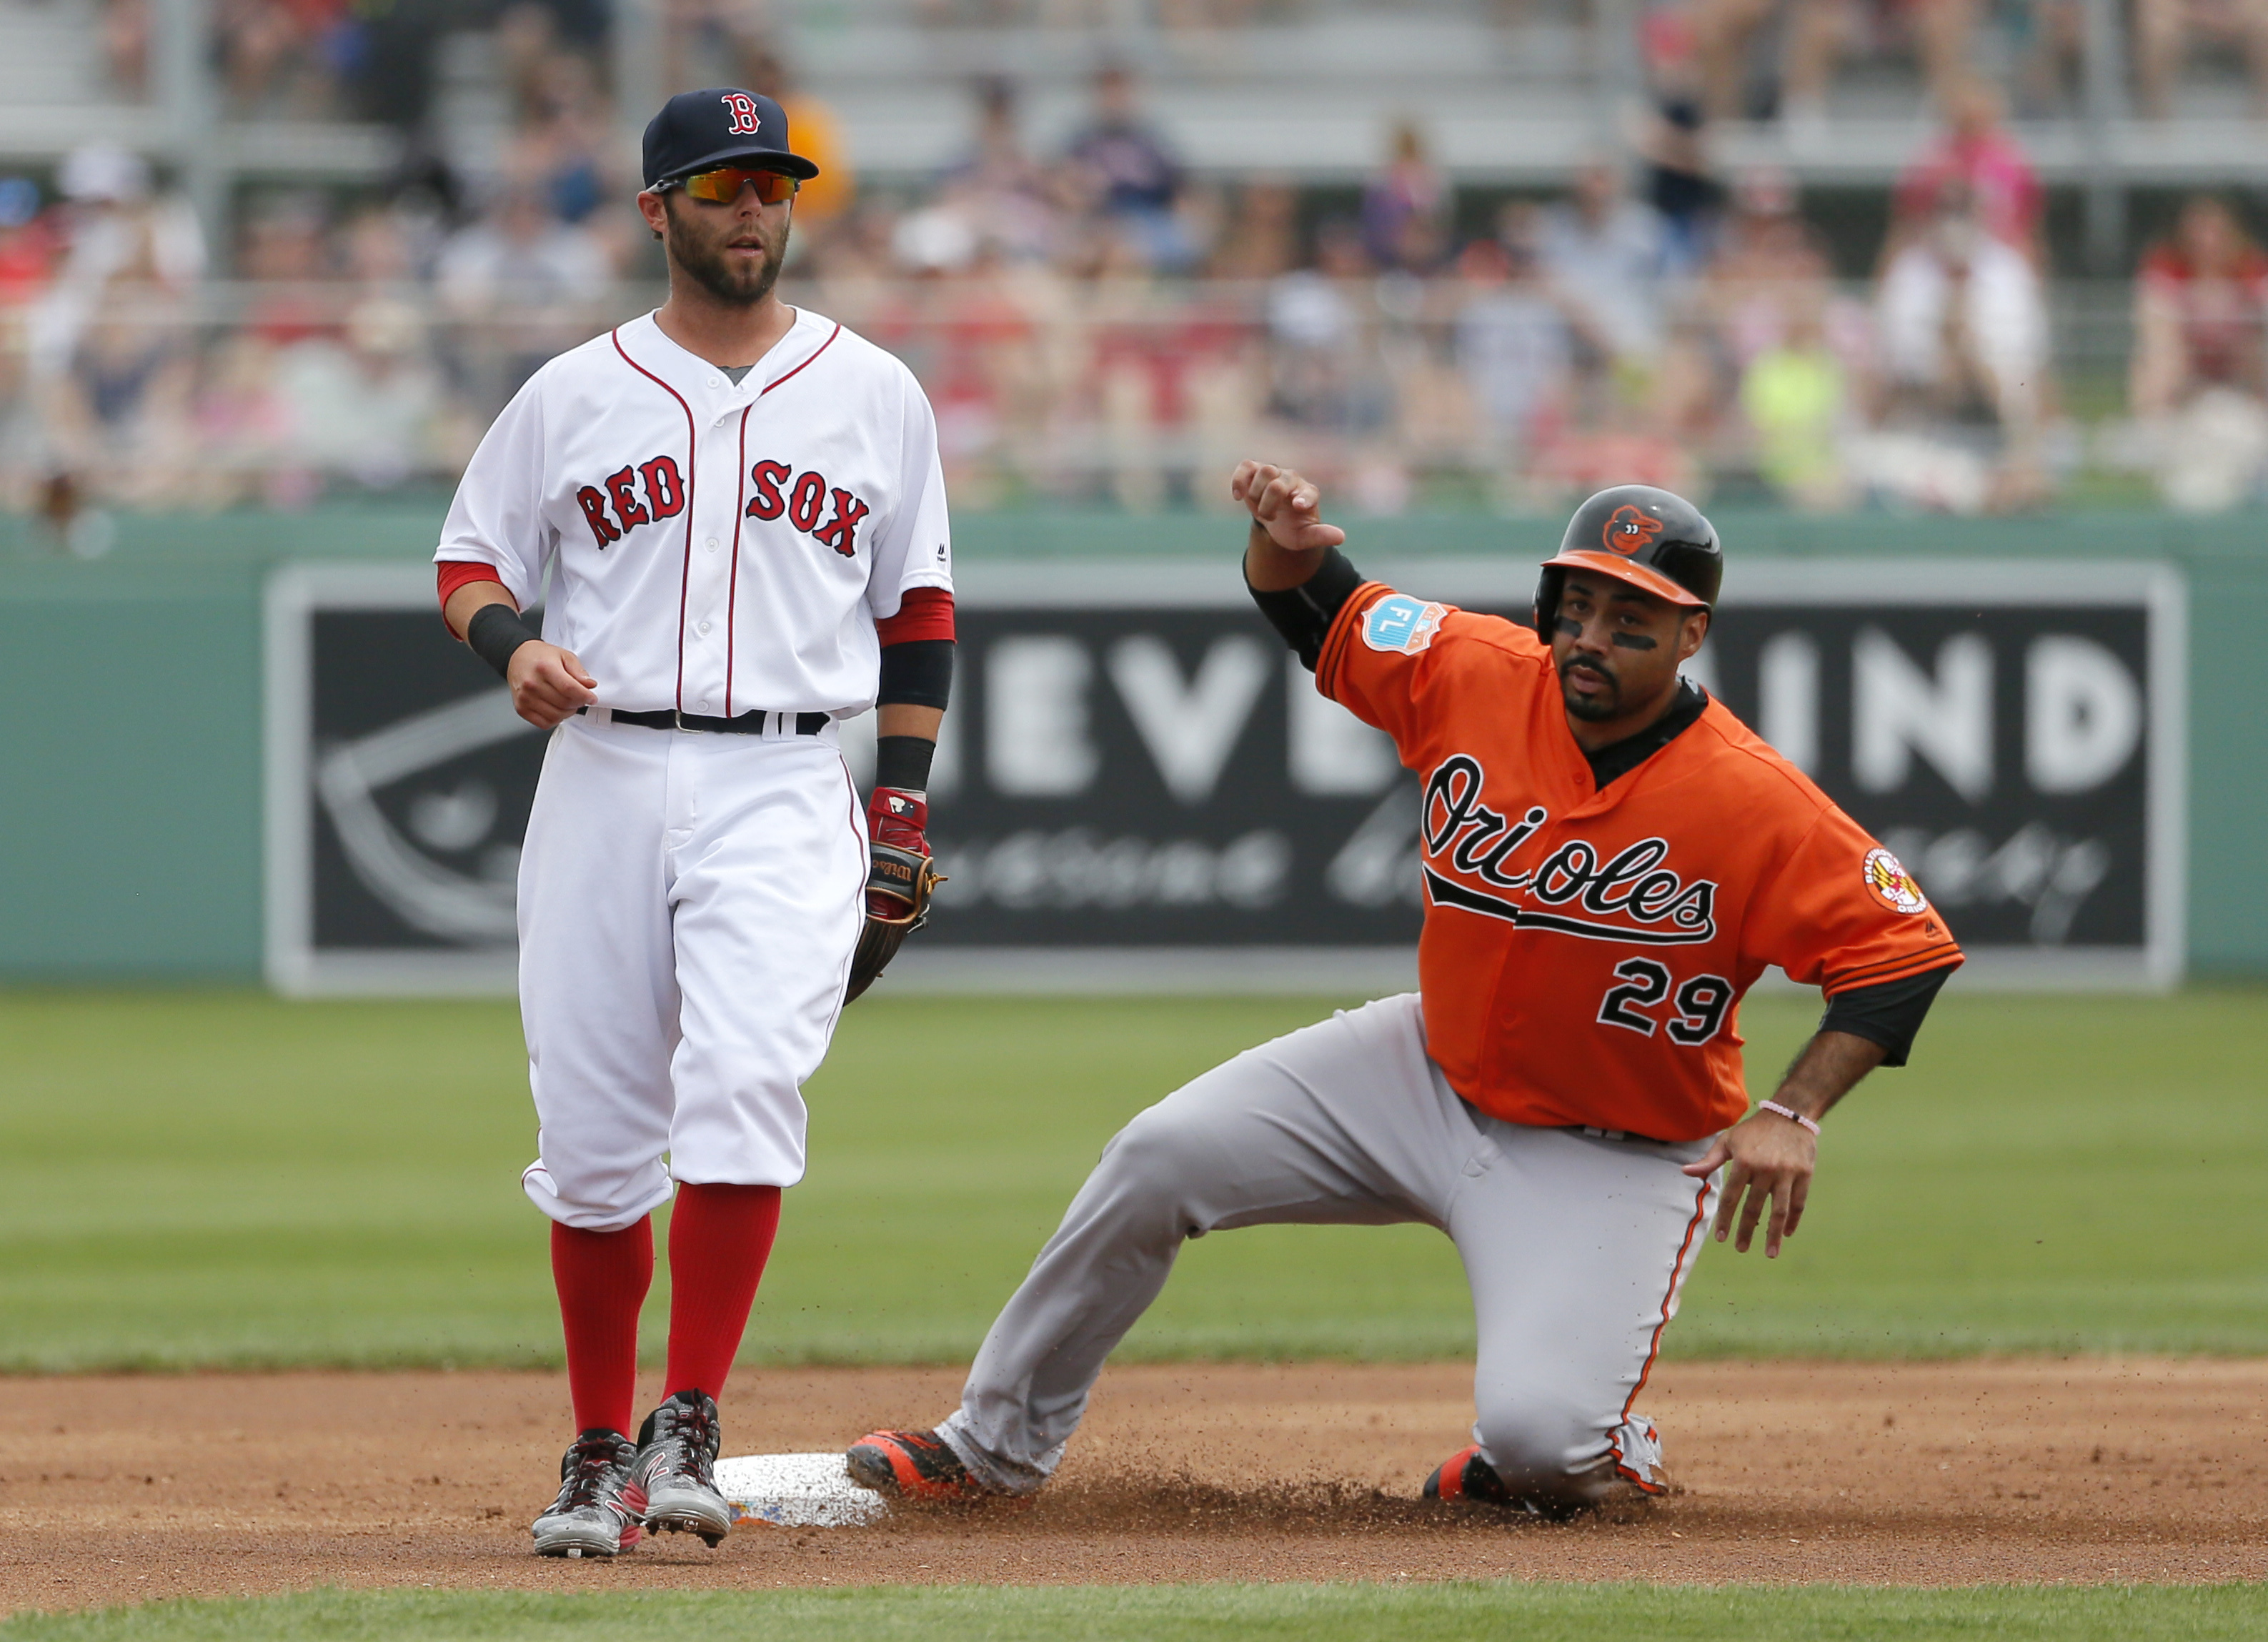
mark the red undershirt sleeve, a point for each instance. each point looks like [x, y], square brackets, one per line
[923, 612]
[453, 574]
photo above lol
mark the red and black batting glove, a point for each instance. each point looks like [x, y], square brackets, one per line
[900, 880]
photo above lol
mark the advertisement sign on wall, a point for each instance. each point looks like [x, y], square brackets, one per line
[1138, 786]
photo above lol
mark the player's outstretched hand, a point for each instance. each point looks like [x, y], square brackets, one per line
[1770, 1161]
[1285, 505]
[548, 683]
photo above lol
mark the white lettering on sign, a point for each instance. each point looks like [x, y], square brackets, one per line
[1332, 753]
[1035, 730]
[1788, 693]
[1898, 710]
[1190, 726]
[2083, 714]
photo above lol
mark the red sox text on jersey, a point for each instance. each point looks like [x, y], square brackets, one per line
[645, 492]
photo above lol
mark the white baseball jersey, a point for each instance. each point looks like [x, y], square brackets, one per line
[714, 548]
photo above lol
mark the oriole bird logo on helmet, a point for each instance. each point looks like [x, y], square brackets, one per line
[1628, 529]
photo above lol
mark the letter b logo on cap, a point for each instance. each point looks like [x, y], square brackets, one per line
[743, 110]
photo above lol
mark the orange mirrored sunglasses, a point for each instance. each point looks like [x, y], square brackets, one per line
[723, 185]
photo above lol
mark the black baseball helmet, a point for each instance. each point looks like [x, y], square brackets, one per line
[1655, 540]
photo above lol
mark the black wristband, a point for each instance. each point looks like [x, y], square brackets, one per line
[1304, 615]
[918, 672]
[902, 761]
[495, 631]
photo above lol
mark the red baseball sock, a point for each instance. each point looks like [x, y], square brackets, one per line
[602, 1277]
[720, 1238]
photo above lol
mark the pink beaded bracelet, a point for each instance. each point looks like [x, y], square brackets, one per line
[1798, 1117]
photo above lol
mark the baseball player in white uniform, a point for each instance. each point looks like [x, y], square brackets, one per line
[733, 514]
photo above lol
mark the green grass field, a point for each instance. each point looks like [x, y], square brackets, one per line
[1311, 1613]
[222, 1178]
[1175, 1613]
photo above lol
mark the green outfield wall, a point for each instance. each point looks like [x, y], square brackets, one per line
[130, 736]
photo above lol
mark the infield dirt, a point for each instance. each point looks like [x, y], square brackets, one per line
[2090, 1470]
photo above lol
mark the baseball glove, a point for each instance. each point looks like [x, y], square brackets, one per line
[900, 878]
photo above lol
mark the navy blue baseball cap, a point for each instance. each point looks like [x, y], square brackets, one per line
[697, 130]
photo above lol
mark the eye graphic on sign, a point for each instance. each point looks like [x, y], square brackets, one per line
[1892, 882]
[743, 109]
[1628, 529]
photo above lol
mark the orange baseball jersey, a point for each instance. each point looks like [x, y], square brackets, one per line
[1584, 951]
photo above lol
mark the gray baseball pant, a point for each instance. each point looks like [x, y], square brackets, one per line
[1575, 1243]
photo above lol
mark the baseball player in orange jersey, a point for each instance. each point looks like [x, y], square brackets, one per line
[1611, 860]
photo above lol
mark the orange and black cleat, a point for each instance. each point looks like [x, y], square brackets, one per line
[1465, 1475]
[913, 1464]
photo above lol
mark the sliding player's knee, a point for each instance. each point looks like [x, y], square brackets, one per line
[1545, 1445]
[1161, 1161]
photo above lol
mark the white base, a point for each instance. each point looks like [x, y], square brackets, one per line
[796, 1491]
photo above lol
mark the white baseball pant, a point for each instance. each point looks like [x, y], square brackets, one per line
[688, 905]
[1575, 1244]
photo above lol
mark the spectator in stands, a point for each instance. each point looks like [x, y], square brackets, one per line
[2164, 29]
[1604, 251]
[524, 282]
[565, 144]
[367, 406]
[1262, 240]
[126, 45]
[1512, 338]
[1328, 382]
[1679, 186]
[28, 245]
[286, 252]
[113, 221]
[1772, 273]
[2199, 383]
[1130, 174]
[1009, 198]
[1406, 208]
[117, 416]
[1796, 396]
[819, 138]
[1816, 34]
[281, 56]
[1962, 328]
[1975, 150]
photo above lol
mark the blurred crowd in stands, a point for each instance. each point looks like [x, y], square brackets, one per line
[1095, 325]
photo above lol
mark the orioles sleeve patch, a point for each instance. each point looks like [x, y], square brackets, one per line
[1892, 883]
[1401, 625]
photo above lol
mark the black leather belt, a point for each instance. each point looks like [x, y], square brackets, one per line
[740, 724]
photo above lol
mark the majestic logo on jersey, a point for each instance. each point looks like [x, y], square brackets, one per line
[742, 108]
[1402, 624]
[1892, 882]
[805, 503]
[656, 482]
[1628, 529]
[1629, 897]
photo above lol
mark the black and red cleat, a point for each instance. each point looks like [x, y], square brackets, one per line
[1465, 1475]
[913, 1464]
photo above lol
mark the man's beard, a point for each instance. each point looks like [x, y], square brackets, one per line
[716, 274]
[1594, 709]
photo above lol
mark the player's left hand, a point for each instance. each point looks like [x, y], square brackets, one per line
[898, 821]
[1770, 1161]
[1285, 505]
